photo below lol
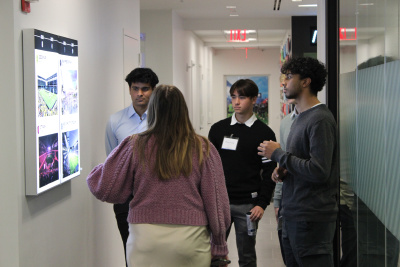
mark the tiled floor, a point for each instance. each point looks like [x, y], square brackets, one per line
[268, 251]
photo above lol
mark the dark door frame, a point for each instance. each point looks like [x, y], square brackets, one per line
[332, 90]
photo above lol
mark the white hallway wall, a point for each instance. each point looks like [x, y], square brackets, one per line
[157, 46]
[65, 226]
[199, 77]
[169, 50]
[10, 165]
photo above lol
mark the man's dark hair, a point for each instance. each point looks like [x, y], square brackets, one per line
[142, 75]
[244, 87]
[307, 67]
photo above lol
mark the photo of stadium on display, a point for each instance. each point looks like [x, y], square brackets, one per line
[69, 89]
[48, 159]
[47, 95]
[70, 153]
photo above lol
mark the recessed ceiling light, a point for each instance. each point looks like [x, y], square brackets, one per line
[312, 5]
[367, 4]
[252, 39]
[230, 7]
[234, 15]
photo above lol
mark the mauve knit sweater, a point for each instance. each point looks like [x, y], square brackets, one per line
[200, 199]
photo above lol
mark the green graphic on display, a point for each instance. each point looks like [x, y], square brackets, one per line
[73, 163]
[49, 98]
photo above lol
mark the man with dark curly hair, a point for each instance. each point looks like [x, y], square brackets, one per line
[308, 169]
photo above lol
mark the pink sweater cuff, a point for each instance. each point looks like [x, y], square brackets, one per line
[219, 248]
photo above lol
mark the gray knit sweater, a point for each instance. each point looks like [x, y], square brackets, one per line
[310, 187]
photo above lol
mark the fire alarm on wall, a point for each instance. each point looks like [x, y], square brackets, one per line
[25, 6]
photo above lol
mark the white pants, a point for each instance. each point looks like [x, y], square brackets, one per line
[168, 245]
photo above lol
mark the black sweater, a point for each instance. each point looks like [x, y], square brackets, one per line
[242, 167]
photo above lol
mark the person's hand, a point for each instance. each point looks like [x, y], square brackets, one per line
[278, 174]
[266, 148]
[276, 213]
[256, 213]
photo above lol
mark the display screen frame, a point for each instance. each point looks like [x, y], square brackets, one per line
[51, 109]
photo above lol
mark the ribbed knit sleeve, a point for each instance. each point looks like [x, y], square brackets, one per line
[113, 181]
[216, 202]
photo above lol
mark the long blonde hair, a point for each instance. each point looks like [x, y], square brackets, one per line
[175, 139]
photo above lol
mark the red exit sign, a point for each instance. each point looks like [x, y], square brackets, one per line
[348, 33]
[238, 36]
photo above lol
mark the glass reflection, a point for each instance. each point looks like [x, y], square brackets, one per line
[369, 127]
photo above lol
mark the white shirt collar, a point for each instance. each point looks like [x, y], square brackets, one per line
[248, 123]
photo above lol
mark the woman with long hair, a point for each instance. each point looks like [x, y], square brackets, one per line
[180, 212]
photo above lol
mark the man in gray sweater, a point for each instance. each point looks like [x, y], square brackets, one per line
[308, 169]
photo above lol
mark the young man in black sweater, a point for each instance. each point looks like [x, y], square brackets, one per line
[247, 174]
[308, 169]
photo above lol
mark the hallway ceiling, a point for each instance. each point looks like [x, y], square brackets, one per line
[246, 9]
[208, 19]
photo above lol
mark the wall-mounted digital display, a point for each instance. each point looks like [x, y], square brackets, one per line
[51, 103]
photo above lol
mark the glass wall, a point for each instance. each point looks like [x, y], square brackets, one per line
[369, 124]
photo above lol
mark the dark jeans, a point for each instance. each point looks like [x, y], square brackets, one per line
[308, 244]
[246, 245]
[281, 246]
[121, 215]
[280, 234]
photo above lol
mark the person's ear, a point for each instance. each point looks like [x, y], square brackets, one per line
[306, 82]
